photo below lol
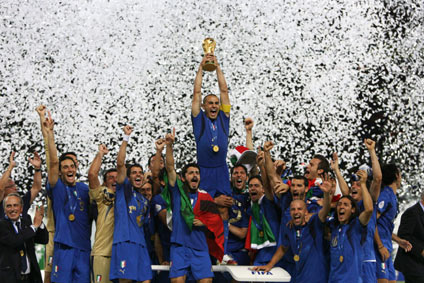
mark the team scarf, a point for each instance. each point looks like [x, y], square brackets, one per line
[259, 237]
[205, 210]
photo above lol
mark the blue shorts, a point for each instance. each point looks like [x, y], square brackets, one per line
[368, 273]
[188, 261]
[130, 261]
[70, 264]
[385, 270]
[215, 180]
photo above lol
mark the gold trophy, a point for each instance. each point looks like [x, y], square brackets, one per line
[209, 45]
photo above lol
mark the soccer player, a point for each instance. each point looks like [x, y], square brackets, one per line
[130, 258]
[71, 257]
[104, 196]
[305, 239]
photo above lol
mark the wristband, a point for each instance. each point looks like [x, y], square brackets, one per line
[380, 247]
[37, 169]
[126, 138]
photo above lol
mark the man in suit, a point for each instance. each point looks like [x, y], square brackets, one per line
[18, 262]
[411, 228]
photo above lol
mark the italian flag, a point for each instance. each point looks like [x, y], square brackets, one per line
[258, 239]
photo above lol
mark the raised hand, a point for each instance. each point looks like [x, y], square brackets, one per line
[36, 161]
[41, 110]
[326, 185]
[170, 137]
[38, 217]
[363, 176]
[370, 144]
[128, 130]
[248, 124]
[12, 162]
[335, 162]
[260, 158]
[268, 145]
[49, 122]
[103, 149]
[280, 187]
[160, 144]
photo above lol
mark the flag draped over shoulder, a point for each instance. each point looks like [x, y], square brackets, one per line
[259, 233]
[206, 211]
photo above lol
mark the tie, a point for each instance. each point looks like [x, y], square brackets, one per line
[22, 252]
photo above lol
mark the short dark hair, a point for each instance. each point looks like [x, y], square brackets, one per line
[390, 173]
[323, 163]
[69, 153]
[300, 177]
[237, 166]
[129, 167]
[185, 168]
[107, 172]
[204, 98]
[63, 158]
[256, 177]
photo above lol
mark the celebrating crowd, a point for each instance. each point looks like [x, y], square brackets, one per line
[255, 213]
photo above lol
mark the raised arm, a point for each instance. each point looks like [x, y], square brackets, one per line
[342, 183]
[223, 89]
[120, 163]
[159, 145]
[93, 172]
[326, 206]
[376, 170]
[169, 160]
[36, 183]
[365, 215]
[6, 175]
[260, 161]
[53, 160]
[248, 125]
[196, 102]
[269, 168]
[41, 110]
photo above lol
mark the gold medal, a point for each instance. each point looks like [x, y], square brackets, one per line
[296, 257]
[139, 221]
[215, 148]
[21, 252]
[71, 217]
[341, 258]
[261, 234]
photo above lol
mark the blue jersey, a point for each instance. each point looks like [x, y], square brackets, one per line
[181, 234]
[307, 245]
[270, 210]
[346, 252]
[368, 246]
[387, 207]
[239, 218]
[131, 211]
[208, 133]
[71, 202]
[159, 204]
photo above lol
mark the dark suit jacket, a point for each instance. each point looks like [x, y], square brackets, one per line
[412, 229]
[10, 243]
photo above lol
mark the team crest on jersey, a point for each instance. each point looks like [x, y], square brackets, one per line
[132, 208]
[381, 204]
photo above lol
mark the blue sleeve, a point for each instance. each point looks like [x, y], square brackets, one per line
[383, 202]
[198, 125]
[158, 204]
[284, 236]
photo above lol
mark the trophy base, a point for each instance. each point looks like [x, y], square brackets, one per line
[209, 66]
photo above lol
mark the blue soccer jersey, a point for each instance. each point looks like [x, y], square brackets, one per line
[346, 252]
[70, 208]
[387, 208]
[307, 246]
[131, 211]
[181, 233]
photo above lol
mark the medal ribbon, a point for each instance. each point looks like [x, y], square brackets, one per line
[340, 240]
[214, 131]
[71, 200]
[298, 236]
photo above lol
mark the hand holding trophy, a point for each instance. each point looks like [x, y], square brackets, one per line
[209, 45]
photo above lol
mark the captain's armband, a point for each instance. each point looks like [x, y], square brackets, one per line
[225, 107]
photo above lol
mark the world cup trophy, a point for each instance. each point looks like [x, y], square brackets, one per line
[209, 45]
